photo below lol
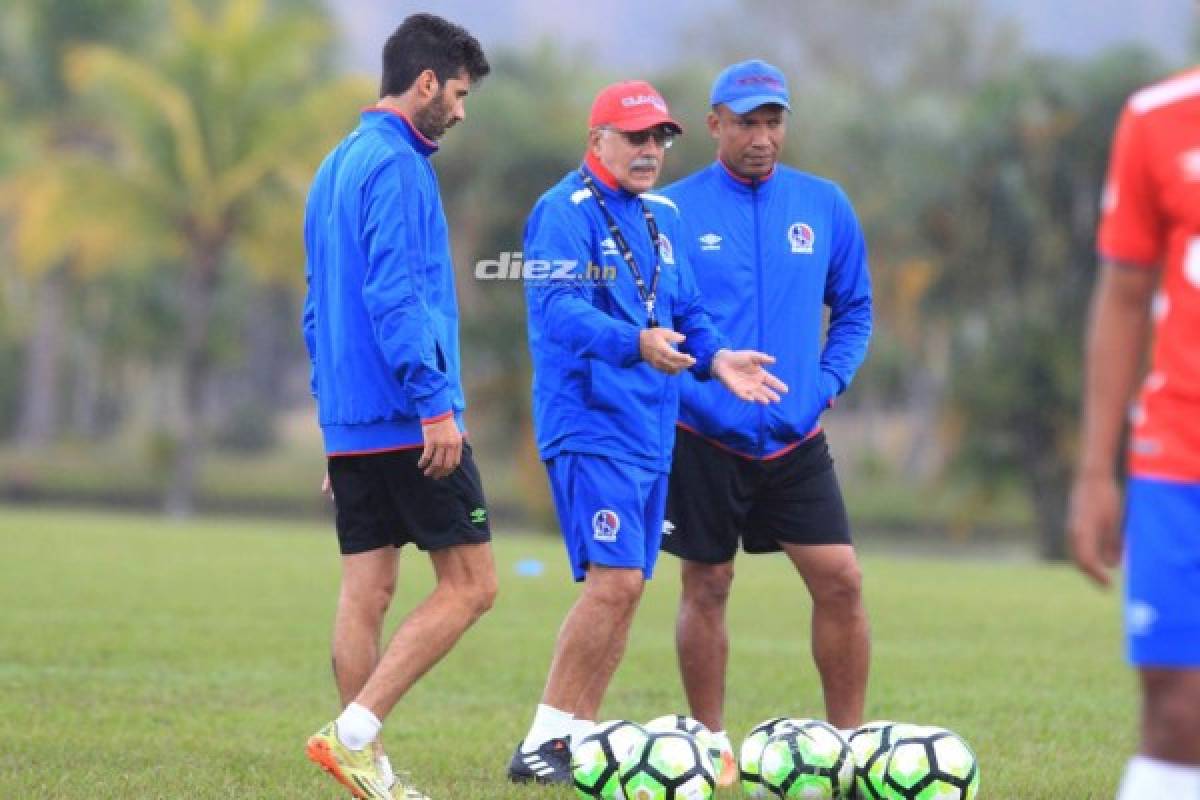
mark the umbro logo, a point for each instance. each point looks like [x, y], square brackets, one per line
[710, 241]
[609, 248]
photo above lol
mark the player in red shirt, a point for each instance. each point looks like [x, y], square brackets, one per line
[1149, 244]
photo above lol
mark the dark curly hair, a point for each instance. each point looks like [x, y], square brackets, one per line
[426, 41]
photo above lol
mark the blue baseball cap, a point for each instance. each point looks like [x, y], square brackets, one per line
[746, 86]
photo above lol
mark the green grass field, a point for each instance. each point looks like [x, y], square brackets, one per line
[141, 658]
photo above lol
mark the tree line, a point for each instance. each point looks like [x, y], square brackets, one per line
[153, 172]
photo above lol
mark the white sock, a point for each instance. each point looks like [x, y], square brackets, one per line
[579, 729]
[548, 723]
[357, 727]
[1150, 779]
[723, 742]
[386, 775]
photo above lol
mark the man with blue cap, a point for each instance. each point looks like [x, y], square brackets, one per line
[771, 248]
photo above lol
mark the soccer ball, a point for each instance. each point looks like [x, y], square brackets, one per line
[808, 760]
[676, 722]
[750, 756]
[870, 745]
[669, 765]
[692, 727]
[597, 759]
[930, 764]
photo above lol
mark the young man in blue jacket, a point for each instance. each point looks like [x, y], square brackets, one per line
[771, 248]
[614, 319]
[381, 326]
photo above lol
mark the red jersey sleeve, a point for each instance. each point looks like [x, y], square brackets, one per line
[1132, 229]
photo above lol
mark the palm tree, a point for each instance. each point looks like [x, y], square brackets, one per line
[42, 129]
[213, 135]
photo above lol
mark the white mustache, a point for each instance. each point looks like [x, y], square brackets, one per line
[644, 161]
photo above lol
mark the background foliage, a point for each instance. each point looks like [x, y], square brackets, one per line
[153, 171]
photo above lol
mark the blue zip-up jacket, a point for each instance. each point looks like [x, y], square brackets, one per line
[381, 317]
[768, 256]
[592, 392]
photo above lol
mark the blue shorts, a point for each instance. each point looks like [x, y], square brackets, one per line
[611, 513]
[1162, 561]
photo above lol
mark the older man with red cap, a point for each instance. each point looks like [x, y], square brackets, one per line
[613, 315]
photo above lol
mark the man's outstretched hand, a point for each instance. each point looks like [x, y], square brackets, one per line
[742, 372]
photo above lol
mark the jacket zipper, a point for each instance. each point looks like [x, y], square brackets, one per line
[758, 278]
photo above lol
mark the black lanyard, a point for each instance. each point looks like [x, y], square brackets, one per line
[648, 295]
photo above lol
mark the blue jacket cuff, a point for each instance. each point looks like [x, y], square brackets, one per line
[831, 386]
[702, 369]
[435, 405]
[631, 346]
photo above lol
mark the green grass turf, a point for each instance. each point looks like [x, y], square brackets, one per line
[141, 658]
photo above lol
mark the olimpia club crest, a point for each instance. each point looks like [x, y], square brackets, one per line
[665, 251]
[605, 525]
[801, 237]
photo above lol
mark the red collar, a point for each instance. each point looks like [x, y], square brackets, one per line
[432, 145]
[601, 172]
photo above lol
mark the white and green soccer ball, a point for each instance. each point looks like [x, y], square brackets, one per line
[750, 756]
[596, 761]
[808, 760]
[927, 763]
[669, 765]
[676, 722]
[692, 727]
[870, 744]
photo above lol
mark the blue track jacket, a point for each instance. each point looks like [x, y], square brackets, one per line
[380, 318]
[592, 393]
[768, 257]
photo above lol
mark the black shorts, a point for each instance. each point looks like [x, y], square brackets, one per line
[717, 499]
[384, 500]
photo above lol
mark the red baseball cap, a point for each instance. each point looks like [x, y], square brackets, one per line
[630, 106]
